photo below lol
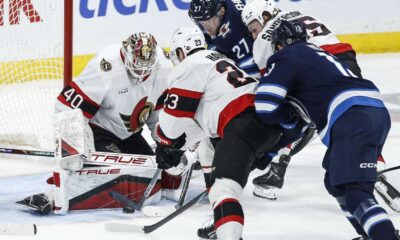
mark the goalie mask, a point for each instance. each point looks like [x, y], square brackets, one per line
[255, 9]
[139, 53]
[187, 39]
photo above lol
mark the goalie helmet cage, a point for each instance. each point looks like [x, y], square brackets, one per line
[35, 63]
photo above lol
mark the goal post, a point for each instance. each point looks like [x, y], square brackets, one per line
[36, 39]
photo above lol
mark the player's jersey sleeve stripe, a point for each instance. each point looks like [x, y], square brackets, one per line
[265, 106]
[344, 101]
[160, 100]
[337, 48]
[88, 106]
[182, 102]
[87, 98]
[185, 93]
[272, 89]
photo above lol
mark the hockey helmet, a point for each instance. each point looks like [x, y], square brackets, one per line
[255, 9]
[139, 53]
[187, 39]
[288, 33]
[202, 10]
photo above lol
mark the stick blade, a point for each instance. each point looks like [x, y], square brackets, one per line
[158, 211]
[18, 229]
[122, 227]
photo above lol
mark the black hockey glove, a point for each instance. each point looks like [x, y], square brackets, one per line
[168, 157]
[168, 153]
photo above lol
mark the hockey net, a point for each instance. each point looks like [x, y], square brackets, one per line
[35, 50]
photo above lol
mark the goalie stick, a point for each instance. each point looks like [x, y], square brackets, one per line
[122, 227]
[148, 189]
[160, 211]
[126, 202]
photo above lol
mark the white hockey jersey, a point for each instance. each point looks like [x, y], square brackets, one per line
[110, 100]
[206, 89]
[318, 33]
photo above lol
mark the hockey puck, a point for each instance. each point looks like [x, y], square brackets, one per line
[128, 209]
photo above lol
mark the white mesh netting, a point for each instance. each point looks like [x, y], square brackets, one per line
[31, 70]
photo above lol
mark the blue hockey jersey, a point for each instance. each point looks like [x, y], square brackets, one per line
[233, 39]
[325, 87]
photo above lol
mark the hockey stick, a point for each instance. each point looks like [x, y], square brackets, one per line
[127, 203]
[389, 169]
[121, 227]
[149, 188]
[311, 127]
[124, 200]
[160, 211]
[18, 229]
[388, 193]
[26, 152]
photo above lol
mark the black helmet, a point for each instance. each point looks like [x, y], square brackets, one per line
[202, 10]
[288, 33]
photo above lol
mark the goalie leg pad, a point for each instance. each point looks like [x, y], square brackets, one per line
[88, 188]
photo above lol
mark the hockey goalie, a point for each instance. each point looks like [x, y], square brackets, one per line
[98, 124]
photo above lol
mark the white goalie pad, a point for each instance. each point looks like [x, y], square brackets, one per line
[74, 139]
[89, 187]
[61, 179]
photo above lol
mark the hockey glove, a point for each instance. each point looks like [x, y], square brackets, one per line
[168, 153]
[168, 157]
[293, 129]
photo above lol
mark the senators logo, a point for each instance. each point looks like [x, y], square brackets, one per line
[139, 116]
[105, 66]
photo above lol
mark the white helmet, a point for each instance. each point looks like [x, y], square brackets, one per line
[187, 39]
[139, 53]
[254, 10]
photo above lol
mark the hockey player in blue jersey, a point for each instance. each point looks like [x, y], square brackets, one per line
[350, 117]
[220, 21]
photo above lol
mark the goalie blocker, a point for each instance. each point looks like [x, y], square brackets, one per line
[83, 178]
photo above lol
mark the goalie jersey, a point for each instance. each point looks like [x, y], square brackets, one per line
[110, 100]
[318, 34]
[208, 89]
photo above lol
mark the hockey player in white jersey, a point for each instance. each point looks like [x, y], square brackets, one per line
[122, 88]
[262, 17]
[208, 89]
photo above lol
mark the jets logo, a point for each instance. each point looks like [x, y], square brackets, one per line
[105, 66]
[139, 116]
[224, 29]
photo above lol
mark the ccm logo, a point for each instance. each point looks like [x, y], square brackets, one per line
[368, 165]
